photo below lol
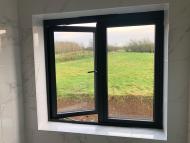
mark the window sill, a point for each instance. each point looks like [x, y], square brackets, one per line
[138, 133]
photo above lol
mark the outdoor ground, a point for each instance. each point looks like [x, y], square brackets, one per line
[130, 83]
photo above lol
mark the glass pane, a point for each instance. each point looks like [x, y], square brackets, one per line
[74, 54]
[131, 72]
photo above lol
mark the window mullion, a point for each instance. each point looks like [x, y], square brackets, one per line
[101, 86]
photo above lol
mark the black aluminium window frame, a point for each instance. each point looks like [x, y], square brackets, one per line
[52, 85]
[105, 21]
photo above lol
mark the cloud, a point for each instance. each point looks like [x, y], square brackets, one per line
[122, 35]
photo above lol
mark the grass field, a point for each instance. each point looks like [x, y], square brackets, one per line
[129, 73]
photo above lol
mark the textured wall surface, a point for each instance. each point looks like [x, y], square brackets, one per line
[178, 67]
[178, 82]
[11, 114]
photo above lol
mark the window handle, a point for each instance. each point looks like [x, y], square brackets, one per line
[92, 71]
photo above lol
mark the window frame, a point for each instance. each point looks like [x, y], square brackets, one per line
[50, 59]
[101, 102]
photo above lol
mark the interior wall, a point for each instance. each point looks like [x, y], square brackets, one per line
[179, 58]
[178, 67]
[11, 114]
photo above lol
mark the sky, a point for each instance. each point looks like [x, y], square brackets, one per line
[116, 36]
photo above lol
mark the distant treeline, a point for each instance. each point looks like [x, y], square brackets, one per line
[64, 47]
[132, 46]
[135, 46]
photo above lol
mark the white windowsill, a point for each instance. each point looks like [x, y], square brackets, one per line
[152, 134]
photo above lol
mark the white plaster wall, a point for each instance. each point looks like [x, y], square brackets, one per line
[11, 114]
[178, 67]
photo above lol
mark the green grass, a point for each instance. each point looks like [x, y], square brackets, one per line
[128, 74]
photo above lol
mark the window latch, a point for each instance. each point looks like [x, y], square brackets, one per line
[92, 71]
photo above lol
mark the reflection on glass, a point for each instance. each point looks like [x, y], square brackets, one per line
[83, 118]
[131, 72]
[81, 24]
[74, 55]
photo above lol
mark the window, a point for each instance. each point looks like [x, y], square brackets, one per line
[106, 69]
